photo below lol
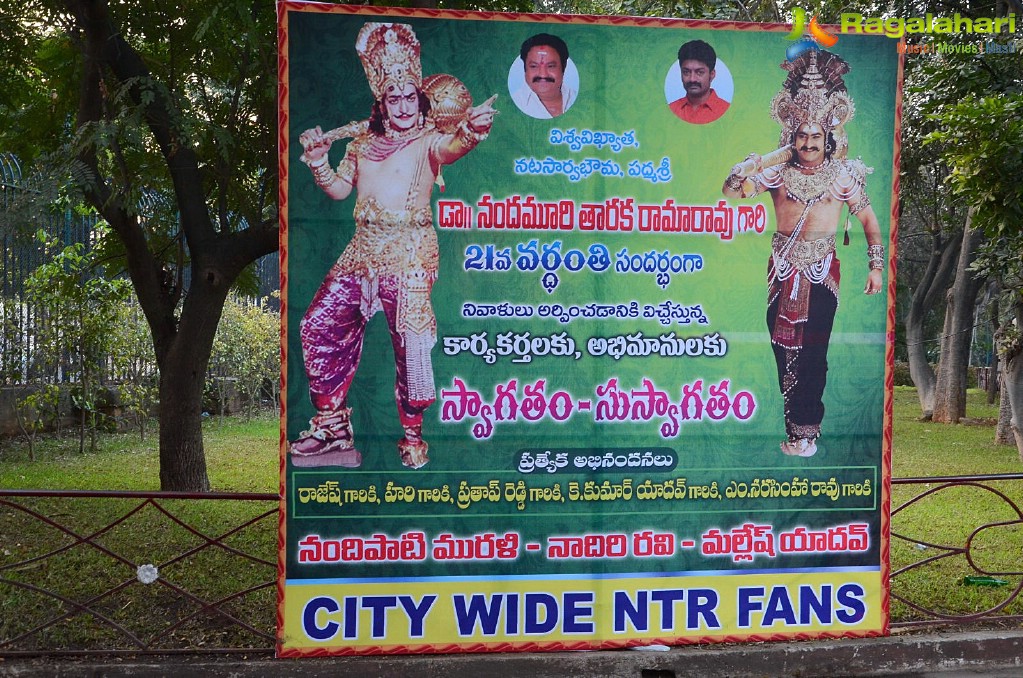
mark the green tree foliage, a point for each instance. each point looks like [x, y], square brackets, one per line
[983, 138]
[163, 115]
[78, 309]
[247, 350]
[133, 365]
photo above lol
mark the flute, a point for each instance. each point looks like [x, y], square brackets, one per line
[751, 166]
[352, 129]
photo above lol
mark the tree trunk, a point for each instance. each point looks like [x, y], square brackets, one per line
[182, 456]
[1003, 430]
[184, 359]
[81, 426]
[957, 335]
[920, 370]
[940, 265]
[1012, 390]
[1012, 386]
[994, 369]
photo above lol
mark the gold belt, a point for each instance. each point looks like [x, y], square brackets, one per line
[802, 254]
[387, 242]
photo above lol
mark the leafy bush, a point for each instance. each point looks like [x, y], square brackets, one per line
[901, 374]
[77, 310]
[246, 353]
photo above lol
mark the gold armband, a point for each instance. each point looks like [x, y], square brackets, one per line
[861, 204]
[323, 175]
[469, 137]
[875, 257]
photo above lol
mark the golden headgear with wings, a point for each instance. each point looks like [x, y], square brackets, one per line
[390, 57]
[815, 93]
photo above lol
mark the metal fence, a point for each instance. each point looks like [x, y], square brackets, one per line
[135, 572]
[21, 254]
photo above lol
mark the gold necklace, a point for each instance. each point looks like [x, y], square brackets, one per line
[807, 188]
[380, 148]
[402, 134]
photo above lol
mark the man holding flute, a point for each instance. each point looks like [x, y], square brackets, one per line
[809, 179]
[391, 262]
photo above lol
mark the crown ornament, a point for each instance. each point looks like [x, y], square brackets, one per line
[815, 93]
[390, 56]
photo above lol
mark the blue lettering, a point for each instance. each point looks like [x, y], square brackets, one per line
[634, 612]
[416, 613]
[850, 596]
[666, 598]
[779, 608]
[351, 627]
[578, 605]
[379, 605]
[511, 614]
[309, 614]
[480, 610]
[750, 600]
[702, 603]
[533, 622]
[625, 612]
[813, 607]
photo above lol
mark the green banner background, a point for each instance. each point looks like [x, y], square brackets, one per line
[622, 72]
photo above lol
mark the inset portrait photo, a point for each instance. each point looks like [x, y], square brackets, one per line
[543, 81]
[698, 87]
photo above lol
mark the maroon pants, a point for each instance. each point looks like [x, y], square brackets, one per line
[332, 332]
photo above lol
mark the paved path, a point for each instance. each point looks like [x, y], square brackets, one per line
[998, 654]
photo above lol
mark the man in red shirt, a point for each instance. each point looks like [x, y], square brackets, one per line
[701, 104]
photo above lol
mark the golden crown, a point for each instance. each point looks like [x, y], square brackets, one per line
[814, 93]
[390, 57]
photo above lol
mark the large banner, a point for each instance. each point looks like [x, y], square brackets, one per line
[584, 329]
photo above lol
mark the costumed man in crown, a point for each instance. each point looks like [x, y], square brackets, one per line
[809, 179]
[391, 262]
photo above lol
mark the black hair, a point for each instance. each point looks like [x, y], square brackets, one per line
[700, 51]
[548, 40]
[378, 118]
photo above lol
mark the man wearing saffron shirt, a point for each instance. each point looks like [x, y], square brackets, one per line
[701, 104]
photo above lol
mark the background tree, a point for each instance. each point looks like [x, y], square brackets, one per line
[930, 231]
[933, 86]
[176, 98]
[957, 331]
[132, 365]
[246, 348]
[984, 136]
[79, 308]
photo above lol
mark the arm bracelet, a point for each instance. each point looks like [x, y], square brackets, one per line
[862, 203]
[469, 137]
[875, 256]
[323, 175]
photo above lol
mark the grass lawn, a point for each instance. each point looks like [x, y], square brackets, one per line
[949, 516]
[242, 457]
[929, 449]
